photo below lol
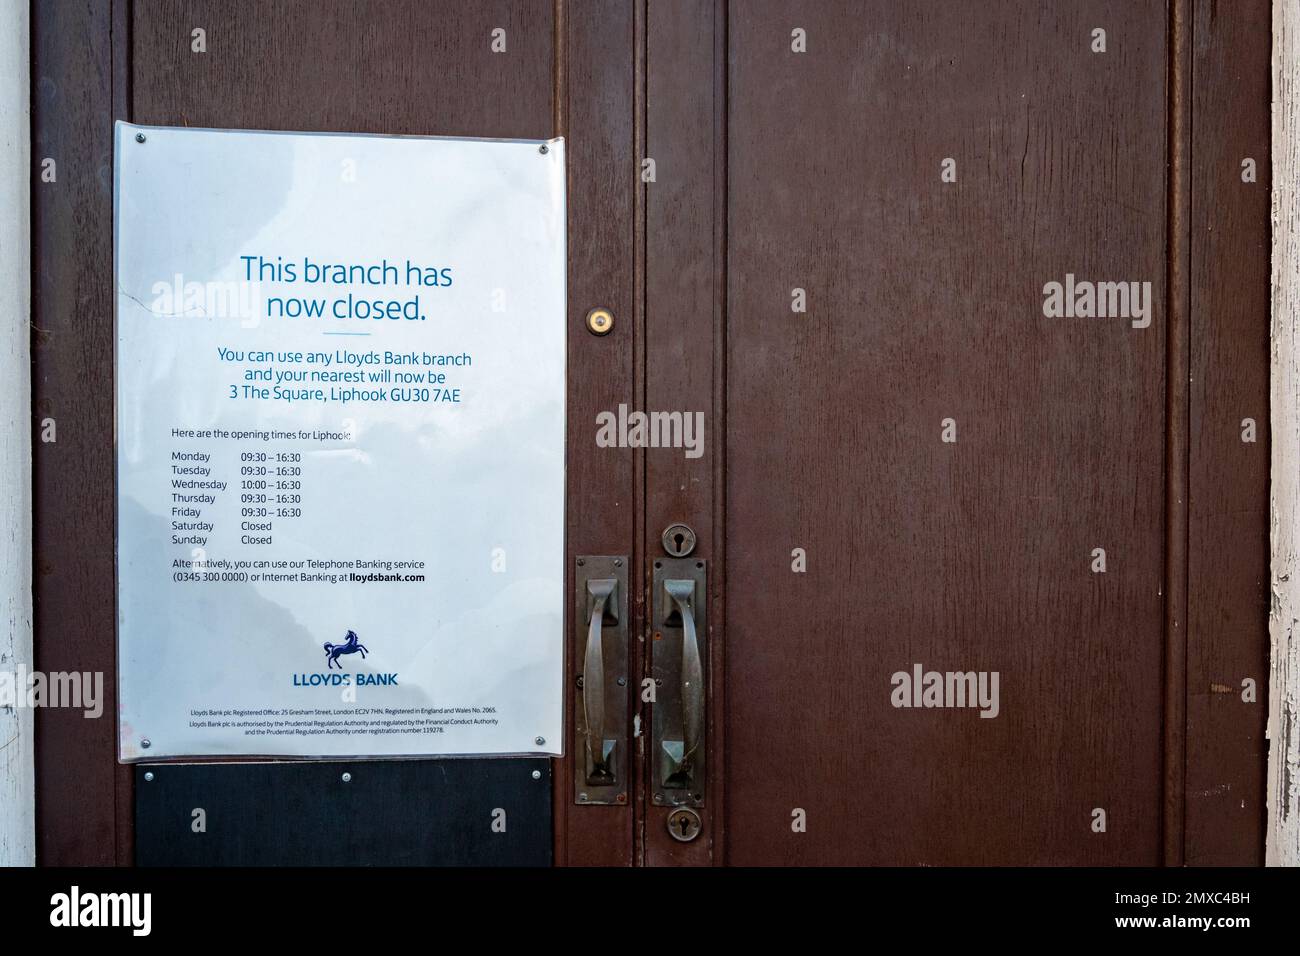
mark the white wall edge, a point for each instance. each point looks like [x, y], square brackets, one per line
[1283, 830]
[17, 799]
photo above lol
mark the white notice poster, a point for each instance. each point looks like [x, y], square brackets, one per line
[340, 440]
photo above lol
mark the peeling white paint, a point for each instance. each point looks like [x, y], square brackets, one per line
[1284, 680]
[17, 806]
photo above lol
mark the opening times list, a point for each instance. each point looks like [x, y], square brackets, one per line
[229, 475]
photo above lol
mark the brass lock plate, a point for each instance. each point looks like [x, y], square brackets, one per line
[684, 824]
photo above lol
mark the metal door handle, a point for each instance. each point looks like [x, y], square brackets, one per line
[679, 743]
[692, 674]
[600, 697]
[599, 591]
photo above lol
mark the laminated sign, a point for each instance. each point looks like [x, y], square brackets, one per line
[340, 444]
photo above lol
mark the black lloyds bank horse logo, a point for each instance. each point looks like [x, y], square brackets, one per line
[334, 651]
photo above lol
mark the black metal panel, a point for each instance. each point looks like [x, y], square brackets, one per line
[388, 813]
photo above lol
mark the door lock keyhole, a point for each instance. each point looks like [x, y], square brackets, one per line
[679, 540]
[684, 824]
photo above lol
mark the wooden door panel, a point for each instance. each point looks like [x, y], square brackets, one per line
[925, 303]
[402, 67]
[603, 488]
[82, 796]
[395, 67]
[1228, 503]
[684, 279]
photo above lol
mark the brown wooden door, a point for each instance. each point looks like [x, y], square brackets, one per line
[404, 67]
[827, 226]
[858, 207]
[959, 455]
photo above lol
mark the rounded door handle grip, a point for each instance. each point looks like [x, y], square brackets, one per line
[599, 592]
[692, 692]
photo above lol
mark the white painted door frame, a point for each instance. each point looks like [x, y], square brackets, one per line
[1284, 682]
[17, 803]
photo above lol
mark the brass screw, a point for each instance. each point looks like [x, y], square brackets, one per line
[600, 321]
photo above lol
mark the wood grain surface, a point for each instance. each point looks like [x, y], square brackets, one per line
[1227, 633]
[819, 171]
[82, 795]
[925, 303]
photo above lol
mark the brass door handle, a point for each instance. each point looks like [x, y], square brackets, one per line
[599, 591]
